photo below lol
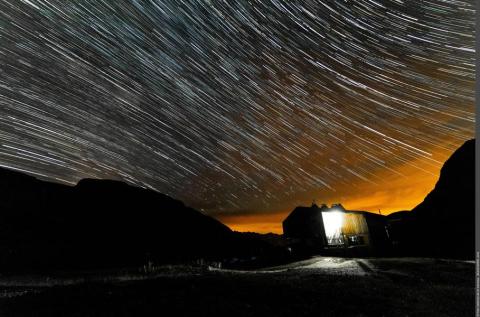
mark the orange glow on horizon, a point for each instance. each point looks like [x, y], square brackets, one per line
[262, 223]
[400, 190]
[396, 197]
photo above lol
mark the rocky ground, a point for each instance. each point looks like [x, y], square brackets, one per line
[321, 286]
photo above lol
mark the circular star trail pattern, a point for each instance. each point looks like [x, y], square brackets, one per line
[234, 107]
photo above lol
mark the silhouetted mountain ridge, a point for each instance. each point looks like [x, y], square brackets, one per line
[444, 223]
[446, 218]
[45, 225]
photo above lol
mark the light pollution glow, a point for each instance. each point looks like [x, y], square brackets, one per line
[396, 193]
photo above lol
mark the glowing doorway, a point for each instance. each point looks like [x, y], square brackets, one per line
[333, 223]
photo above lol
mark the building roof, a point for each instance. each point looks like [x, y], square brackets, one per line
[302, 211]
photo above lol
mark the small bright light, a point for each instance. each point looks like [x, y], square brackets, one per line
[333, 222]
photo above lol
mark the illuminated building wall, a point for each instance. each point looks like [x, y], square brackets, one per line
[345, 228]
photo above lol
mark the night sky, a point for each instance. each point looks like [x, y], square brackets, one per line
[242, 110]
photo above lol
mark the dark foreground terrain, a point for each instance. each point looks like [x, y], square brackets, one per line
[321, 286]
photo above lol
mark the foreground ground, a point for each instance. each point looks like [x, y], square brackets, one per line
[320, 286]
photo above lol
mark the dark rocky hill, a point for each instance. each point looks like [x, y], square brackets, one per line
[97, 223]
[446, 218]
[443, 224]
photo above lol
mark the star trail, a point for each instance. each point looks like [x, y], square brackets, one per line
[248, 107]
